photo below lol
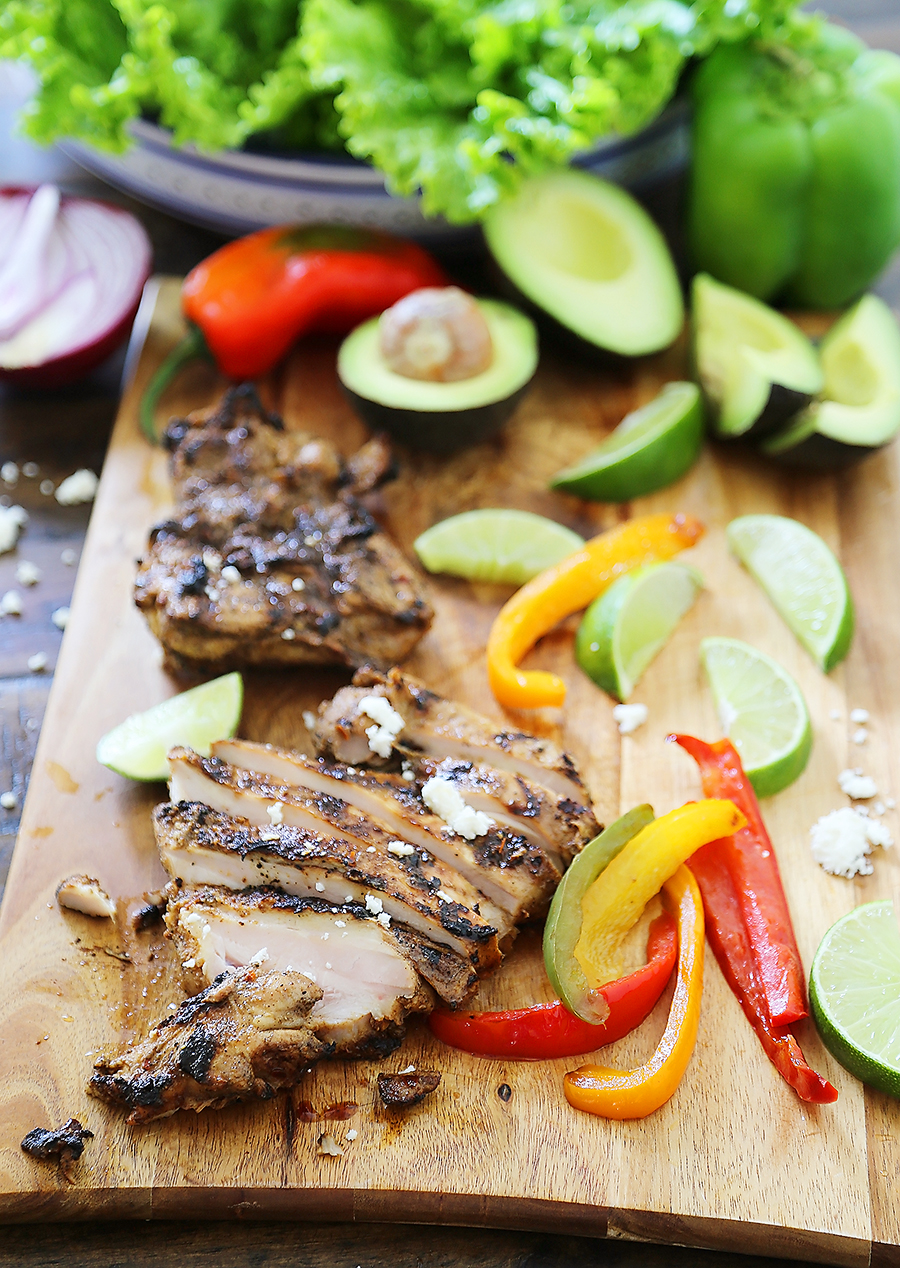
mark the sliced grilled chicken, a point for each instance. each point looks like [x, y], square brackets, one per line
[203, 846]
[554, 824]
[245, 1036]
[506, 867]
[369, 986]
[439, 728]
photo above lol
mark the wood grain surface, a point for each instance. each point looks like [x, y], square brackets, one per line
[734, 1160]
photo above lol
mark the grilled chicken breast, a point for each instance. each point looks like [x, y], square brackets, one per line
[202, 846]
[245, 1036]
[440, 729]
[508, 868]
[268, 557]
[369, 986]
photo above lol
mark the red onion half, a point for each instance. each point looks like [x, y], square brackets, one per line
[71, 275]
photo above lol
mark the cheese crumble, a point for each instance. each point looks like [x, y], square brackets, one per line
[630, 717]
[444, 798]
[387, 724]
[857, 785]
[81, 486]
[12, 519]
[842, 841]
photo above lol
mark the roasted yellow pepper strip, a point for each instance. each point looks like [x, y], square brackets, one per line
[637, 1093]
[617, 897]
[568, 587]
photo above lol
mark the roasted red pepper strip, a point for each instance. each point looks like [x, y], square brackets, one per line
[730, 937]
[751, 861]
[545, 1031]
[252, 298]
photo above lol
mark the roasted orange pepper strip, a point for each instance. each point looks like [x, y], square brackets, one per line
[637, 1093]
[568, 587]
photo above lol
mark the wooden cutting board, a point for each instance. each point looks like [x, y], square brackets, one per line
[734, 1160]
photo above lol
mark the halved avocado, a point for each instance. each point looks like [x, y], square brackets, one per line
[441, 417]
[860, 406]
[584, 253]
[756, 368]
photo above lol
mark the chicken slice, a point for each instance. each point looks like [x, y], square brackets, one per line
[203, 846]
[553, 824]
[369, 986]
[245, 1036]
[439, 728]
[507, 868]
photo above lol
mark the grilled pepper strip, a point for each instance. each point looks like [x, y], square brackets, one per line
[562, 928]
[249, 301]
[637, 1093]
[568, 587]
[795, 184]
[545, 1031]
[731, 942]
[617, 897]
[750, 859]
[252, 298]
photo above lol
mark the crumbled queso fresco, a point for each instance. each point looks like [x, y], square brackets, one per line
[857, 785]
[386, 724]
[842, 841]
[12, 519]
[630, 717]
[81, 486]
[443, 797]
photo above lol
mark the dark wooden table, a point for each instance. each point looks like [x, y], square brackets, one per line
[60, 432]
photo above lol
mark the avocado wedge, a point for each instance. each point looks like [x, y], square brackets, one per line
[756, 368]
[860, 406]
[441, 416]
[589, 261]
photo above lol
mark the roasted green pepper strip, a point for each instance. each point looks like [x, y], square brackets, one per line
[563, 927]
[795, 187]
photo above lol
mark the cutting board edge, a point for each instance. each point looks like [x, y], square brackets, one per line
[371, 1206]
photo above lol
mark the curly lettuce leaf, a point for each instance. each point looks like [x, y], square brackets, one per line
[457, 98]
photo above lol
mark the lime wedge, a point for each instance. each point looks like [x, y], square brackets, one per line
[761, 710]
[803, 580]
[495, 545]
[650, 448]
[138, 746]
[624, 629]
[854, 994]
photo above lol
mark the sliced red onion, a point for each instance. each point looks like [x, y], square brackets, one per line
[71, 275]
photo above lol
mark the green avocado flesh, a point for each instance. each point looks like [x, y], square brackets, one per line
[757, 369]
[364, 372]
[587, 254]
[860, 405]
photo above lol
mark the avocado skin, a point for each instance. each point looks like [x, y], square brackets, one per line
[822, 455]
[437, 431]
[783, 405]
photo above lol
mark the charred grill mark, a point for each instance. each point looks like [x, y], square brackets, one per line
[141, 1091]
[197, 1054]
[454, 921]
[193, 579]
[505, 851]
[532, 804]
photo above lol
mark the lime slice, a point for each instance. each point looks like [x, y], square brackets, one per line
[624, 629]
[138, 746]
[803, 580]
[650, 448]
[762, 711]
[854, 994]
[495, 545]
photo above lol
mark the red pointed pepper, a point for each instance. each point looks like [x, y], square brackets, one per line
[545, 1031]
[748, 923]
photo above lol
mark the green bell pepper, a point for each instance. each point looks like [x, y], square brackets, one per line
[795, 187]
